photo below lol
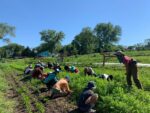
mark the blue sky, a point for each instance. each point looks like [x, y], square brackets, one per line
[70, 16]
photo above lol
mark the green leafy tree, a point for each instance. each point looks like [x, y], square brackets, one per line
[140, 46]
[66, 50]
[12, 50]
[5, 31]
[107, 34]
[147, 44]
[85, 42]
[51, 40]
[27, 52]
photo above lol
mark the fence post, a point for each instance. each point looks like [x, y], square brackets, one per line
[103, 59]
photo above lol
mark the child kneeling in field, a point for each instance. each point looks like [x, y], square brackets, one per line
[88, 99]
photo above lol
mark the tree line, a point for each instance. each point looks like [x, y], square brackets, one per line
[103, 37]
[141, 46]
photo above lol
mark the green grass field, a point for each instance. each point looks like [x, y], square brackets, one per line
[140, 56]
[6, 105]
[114, 96]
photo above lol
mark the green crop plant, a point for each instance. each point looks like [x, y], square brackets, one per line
[114, 96]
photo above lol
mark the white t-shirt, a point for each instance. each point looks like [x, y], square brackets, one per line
[105, 76]
[28, 70]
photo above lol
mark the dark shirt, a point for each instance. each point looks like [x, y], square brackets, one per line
[36, 73]
[84, 96]
[51, 79]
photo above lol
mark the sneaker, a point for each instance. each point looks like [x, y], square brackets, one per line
[92, 111]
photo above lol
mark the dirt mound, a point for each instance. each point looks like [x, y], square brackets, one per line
[60, 105]
[12, 94]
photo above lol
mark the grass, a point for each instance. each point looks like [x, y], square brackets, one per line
[114, 96]
[6, 105]
[140, 56]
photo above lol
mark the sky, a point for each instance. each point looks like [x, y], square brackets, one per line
[32, 16]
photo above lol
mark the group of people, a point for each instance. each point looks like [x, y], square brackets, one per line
[131, 70]
[90, 72]
[87, 98]
[56, 86]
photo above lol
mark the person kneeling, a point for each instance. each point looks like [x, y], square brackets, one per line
[51, 79]
[89, 71]
[88, 99]
[71, 69]
[105, 76]
[61, 88]
[28, 70]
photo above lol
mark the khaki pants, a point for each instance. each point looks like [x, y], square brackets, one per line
[133, 71]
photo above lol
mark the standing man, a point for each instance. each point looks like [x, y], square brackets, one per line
[131, 69]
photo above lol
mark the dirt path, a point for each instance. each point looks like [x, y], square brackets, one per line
[112, 64]
[12, 94]
[58, 105]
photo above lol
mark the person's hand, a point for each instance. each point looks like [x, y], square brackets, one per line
[40, 76]
[70, 92]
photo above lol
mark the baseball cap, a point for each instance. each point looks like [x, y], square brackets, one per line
[118, 53]
[67, 77]
[91, 85]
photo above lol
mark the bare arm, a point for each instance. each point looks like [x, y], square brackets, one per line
[66, 88]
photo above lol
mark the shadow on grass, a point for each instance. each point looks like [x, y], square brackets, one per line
[26, 78]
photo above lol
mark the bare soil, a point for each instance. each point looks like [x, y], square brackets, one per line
[57, 105]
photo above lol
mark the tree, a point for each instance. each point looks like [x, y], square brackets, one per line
[85, 42]
[12, 50]
[140, 46]
[131, 47]
[51, 39]
[6, 30]
[107, 34]
[27, 52]
[147, 44]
